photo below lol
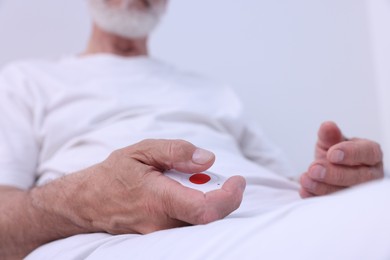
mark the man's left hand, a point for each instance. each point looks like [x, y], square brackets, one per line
[340, 163]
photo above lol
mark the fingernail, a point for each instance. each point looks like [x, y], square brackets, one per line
[201, 156]
[317, 172]
[336, 156]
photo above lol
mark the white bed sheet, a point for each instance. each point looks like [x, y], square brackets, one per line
[272, 223]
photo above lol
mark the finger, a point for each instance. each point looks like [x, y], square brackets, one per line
[195, 207]
[356, 152]
[317, 188]
[345, 176]
[329, 134]
[305, 194]
[171, 154]
[220, 203]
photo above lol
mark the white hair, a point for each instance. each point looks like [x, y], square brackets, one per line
[127, 20]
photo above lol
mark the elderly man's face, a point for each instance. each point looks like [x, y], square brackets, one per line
[127, 18]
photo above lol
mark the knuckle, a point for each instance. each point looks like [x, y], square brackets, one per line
[113, 158]
[339, 176]
[144, 146]
[380, 171]
[368, 152]
[116, 153]
[367, 174]
[374, 173]
[146, 151]
[377, 153]
[178, 148]
[177, 145]
[146, 142]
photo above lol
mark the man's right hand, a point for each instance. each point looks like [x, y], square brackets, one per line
[127, 193]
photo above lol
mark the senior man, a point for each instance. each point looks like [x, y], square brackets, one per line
[69, 188]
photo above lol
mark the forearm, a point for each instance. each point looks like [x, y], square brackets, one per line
[29, 219]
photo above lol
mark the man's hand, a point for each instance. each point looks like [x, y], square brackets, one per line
[126, 193]
[340, 163]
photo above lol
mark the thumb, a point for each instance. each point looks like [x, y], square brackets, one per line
[194, 207]
[180, 202]
[172, 154]
[329, 134]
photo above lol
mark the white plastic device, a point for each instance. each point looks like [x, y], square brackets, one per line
[204, 181]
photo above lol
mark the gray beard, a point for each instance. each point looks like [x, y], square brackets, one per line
[126, 22]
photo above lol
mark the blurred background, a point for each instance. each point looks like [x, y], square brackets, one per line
[295, 63]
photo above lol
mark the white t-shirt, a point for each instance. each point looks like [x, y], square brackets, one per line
[58, 117]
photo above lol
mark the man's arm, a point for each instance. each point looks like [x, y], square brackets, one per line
[24, 227]
[126, 193]
[341, 163]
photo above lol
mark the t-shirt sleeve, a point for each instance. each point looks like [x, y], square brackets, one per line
[18, 145]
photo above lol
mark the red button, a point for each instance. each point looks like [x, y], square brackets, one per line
[200, 178]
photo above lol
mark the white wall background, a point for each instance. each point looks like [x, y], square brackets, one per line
[295, 63]
[380, 26]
